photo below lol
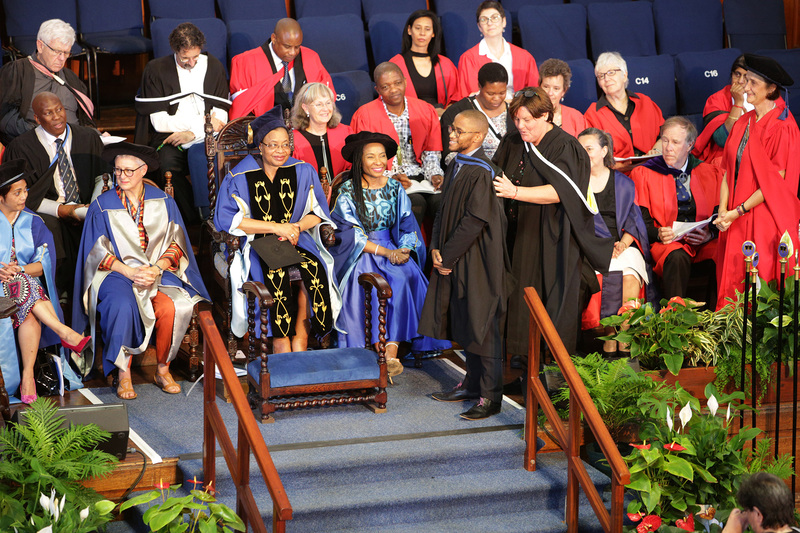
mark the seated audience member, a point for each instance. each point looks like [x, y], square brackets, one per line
[378, 233]
[273, 73]
[519, 64]
[414, 125]
[491, 101]
[469, 237]
[677, 186]
[430, 76]
[66, 166]
[136, 269]
[621, 219]
[555, 77]
[318, 130]
[279, 196]
[766, 505]
[632, 119]
[177, 92]
[722, 110]
[27, 276]
[43, 71]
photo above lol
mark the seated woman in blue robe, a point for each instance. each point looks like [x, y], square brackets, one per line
[136, 270]
[27, 277]
[377, 232]
[281, 196]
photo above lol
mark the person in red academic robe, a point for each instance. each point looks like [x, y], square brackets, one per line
[272, 73]
[555, 77]
[422, 42]
[632, 119]
[677, 187]
[758, 198]
[722, 109]
[414, 125]
[521, 66]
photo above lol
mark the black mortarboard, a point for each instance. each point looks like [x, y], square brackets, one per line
[769, 69]
[12, 171]
[260, 126]
[357, 141]
[148, 154]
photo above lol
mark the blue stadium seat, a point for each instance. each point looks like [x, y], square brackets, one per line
[583, 89]
[624, 27]
[213, 29]
[238, 10]
[688, 25]
[755, 25]
[386, 35]
[324, 36]
[443, 6]
[513, 7]
[178, 9]
[460, 33]
[589, 2]
[790, 61]
[655, 77]
[353, 89]
[701, 74]
[321, 8]
[245, 35]
[554, 31]
[23, 20]
[373, 7]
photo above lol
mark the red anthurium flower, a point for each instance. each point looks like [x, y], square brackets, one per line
[649, 523]
[161, 485]
[686, 524]
[641, 446]
[195, 482]
[635, 517]
[630, 305]
[677, 300]
[674, 447]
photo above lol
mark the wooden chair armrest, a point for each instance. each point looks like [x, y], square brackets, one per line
[260, 291]
[376, 280]
[327, 235]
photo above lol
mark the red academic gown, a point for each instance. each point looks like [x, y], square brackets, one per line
[657, 193]
[645, 124]
[336, 137]
[447, 89]
[773, 146]
[523, 66]
[252, 70]
[721, 103]
[572, 121]
[426, 134]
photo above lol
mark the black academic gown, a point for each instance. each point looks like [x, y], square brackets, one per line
[449, 116]
[551, 240]
[469, 232]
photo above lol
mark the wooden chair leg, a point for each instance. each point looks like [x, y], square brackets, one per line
[5, 407]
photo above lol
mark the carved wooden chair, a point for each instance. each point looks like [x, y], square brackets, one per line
[317, 378]
[224, 152]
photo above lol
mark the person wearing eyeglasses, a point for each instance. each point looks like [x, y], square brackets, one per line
[176, 93]
[27, 277]
[519, 63]
[319, 133]
[136, 271]
[281, 196]
[43, 71]
[632, 119]
[66, 174]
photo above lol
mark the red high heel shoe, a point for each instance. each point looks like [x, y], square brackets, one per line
[80, 347]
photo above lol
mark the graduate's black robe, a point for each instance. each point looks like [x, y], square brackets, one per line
[469, 231]
[449, 116]
[551, 240]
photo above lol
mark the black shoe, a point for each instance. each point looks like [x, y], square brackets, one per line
[515, 362]
[483, 409]
[458, 394]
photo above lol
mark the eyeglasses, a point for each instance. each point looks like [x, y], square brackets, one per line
[452, 129]
[274, 146]
[611, 73]
[58, 53]
[322, 105]
[127, 171]
[527, 93]
[494, 19]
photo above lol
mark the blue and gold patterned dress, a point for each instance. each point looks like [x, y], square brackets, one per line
[390, 224]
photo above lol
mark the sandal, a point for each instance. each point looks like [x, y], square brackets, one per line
[167, 383]
[126, 387]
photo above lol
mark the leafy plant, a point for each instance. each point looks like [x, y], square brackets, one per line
[41, 457]
[199, 507]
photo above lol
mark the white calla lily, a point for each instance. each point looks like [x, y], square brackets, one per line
[713, 405]
[48, 529]
[728, 415]
[685, 415]
[84, 514]
[669, 419]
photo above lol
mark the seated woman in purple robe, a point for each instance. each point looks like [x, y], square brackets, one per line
[377, 232]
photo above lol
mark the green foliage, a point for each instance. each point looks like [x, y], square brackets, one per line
[40, 457]
[197, 511]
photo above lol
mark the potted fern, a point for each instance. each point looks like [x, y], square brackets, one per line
[41, 466]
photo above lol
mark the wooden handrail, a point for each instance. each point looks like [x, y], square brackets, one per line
[579, 403]
[249, 437]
